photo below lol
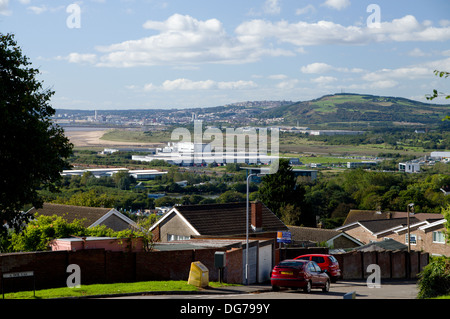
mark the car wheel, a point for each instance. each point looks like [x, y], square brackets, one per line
[307, 288]
[326, 288]
[275, 288]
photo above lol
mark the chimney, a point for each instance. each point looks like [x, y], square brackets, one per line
[256, 215]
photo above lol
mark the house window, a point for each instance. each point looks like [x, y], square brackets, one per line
[438, 237]
[413, 239]
[171, 237]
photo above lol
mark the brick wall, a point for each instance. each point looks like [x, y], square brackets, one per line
[100, 266]
[233, 270]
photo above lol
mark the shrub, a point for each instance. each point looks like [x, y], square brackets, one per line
[434, 280]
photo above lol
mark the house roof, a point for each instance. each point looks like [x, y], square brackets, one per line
[388, 244]
[381, 225]
[222, 219]
[356, 215]
[299, 233]
[91, 216]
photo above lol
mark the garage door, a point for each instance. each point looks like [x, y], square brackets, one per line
[252, 265]
[264, 263]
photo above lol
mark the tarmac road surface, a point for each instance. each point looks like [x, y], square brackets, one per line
[398, 289]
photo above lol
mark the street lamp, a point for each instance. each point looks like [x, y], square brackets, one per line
[246, 230]
[410, 207]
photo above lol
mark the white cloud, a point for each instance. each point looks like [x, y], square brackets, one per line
[389, 78]
[182, 40]
[307, 9]
[287, 84]
[382, 84]
[416, 52]
[405, 73]
[329, 33]
[277, 77]
[4, 7]
[185, 40]
[79, 58]
[190, 85]
[272, 7]
[318, 68]
[38, 10]
[314, 68]
[324, 80]
[43, 8]
[337, 4]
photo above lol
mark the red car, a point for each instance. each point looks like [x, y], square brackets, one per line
[299, 274]
[326, 262]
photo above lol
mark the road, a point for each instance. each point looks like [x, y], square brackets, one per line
[388, 290]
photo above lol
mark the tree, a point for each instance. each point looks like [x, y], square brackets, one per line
[34, 150]
[40, 231]
[281, 193]
[441, 74]
[446, 214]
[123, 180]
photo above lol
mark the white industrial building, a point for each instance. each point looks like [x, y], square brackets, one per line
[188, 154]
[440, 155]
[363, 164]
[409, 167]
[334, 132]
[102, 172]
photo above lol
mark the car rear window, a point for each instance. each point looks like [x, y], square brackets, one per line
[291, 264]
[303, 258]
[333, 259]
[318, 259]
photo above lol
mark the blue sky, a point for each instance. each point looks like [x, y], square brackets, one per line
[138, 54]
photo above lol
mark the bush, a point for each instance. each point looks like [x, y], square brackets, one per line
[434, 280]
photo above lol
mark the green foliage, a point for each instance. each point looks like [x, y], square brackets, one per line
[441, 74]
[34, 150]
[434, 280]
[40, 231]
[446, 214]
[90, 198]
[281, 193]
[231, 196]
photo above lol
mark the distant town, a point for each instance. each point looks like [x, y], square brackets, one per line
[245, 113]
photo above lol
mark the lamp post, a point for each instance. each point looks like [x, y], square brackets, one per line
[247, 226]
[409, 208]
[246, 233]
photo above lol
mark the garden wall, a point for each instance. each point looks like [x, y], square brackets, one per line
[100, 266]
[393, 265]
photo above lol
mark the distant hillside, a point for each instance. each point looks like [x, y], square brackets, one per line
[356, 108]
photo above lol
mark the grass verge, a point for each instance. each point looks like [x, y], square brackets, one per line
[109, 289]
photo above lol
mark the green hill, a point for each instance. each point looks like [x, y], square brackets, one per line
[359, 109]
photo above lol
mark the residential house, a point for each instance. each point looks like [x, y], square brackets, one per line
[355, 215]
[305, 236]
[91, 216]
[217, 220]
[218, 224]
[427, 234]
[384, 245]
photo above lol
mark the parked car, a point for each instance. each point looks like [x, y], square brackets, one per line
[326, 262]
[299, 274]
